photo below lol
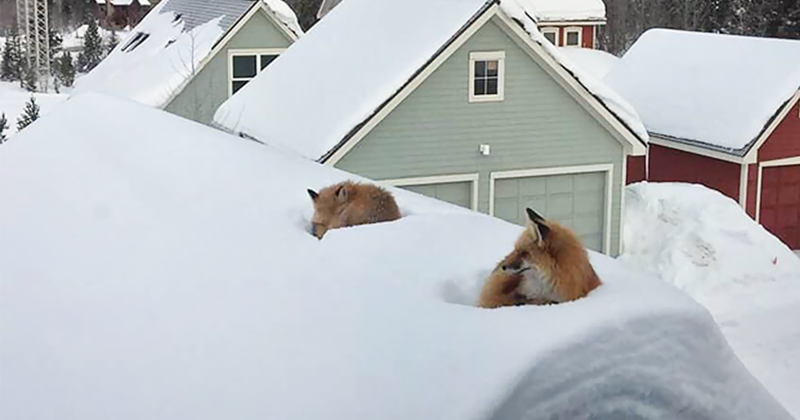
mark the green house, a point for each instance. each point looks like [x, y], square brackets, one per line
[464, 101]
[188, 56]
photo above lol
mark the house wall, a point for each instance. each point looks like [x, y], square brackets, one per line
[785, 140]
[200, 98]
[637, 169]
[587, 34]
[437, 132]
[670, 165]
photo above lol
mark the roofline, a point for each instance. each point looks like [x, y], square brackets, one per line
[567, 22]
[746, 155]
[491, 9]
[232, 31]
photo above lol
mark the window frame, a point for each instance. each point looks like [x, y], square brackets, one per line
[552, 30]
[576, 29]
[258, 52]
[500, 57]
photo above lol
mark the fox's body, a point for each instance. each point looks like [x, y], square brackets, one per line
[351, 204]
[549, 264]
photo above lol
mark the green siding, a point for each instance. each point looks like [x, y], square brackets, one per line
[200, 99]
[458, 193]
[436, 131]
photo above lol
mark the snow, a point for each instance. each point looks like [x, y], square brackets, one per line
[565, 10]
[73, 41]
[702, 242]
[596, 62]
[165, 62]
[163, 270]
[124, 2]
[309, 82]
[716, 89]
[13, 99]
[285, 14]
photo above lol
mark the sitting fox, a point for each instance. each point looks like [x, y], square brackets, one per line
[548, 265]
[350, 204]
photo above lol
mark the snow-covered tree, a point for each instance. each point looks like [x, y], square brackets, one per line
[55, 45]
[28, 81]
[3, 128]
[65, 70]
[29, 115]
[11, 67]
[93, 51]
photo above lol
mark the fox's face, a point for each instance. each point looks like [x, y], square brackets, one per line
[329, 206]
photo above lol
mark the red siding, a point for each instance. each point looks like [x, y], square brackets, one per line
[670, 165]
[636, 169]
[780, 203]
[785, 140]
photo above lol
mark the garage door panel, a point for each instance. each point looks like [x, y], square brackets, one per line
[575, 200]
[458, 193]
[780, 203]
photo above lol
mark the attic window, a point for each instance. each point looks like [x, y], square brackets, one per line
[486, 76]
[573, 37]
[551, 34]
[245, 65]
[135, 41]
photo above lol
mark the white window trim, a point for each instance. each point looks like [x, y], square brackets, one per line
[608, 168]
[577, 29]
[743, 175]
[258, 52]
[439, 179]
[500, 56]
[770, 164]
[552, 30]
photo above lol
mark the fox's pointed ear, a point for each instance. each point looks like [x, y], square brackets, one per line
[341, 193]
[313, 194]
[538, 228]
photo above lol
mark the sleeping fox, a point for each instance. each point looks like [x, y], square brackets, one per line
[548, 265]
[350, 204]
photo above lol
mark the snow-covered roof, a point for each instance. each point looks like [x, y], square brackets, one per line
[161, 53]
[596, 62]
[717, 91]
[124, 2]
[309, 82]
[165, 271]
[565, 10]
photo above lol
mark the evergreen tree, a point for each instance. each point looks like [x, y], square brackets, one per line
[55, 45]
[92, 48]
[65, 70]
[28, 81]
[29, 115]
[3, 128]
[113, 41]
[11, 68]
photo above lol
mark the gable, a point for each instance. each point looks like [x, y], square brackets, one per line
[784, 141]
[208, 89]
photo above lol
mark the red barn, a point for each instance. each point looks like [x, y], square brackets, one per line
[722, 111]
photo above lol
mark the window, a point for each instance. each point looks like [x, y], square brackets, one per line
[551, 34]
[486, 76]
[244, 65]
[135, 41]
[573, 37]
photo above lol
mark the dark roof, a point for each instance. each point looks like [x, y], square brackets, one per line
[197, 12]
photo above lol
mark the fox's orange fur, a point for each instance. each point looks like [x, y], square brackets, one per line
[549, 264]
[350, 204]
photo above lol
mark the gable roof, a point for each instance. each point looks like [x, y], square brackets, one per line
[172, 43]
[718, 92]
[541, 10]
[360, 75]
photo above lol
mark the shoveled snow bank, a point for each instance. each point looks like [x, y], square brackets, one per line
[703, 242]
[163, 270]
[13, 99]
[716, 89]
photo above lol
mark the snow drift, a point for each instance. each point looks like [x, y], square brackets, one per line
[163, 270]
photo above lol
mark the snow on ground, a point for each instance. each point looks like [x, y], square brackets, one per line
[13, 99]
[596, 62]
[704, 243]
[682, 82]
[162, 269]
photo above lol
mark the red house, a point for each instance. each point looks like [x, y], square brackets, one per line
[722, 111]
[118, 14]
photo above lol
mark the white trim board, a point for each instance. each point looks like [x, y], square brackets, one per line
[660, 141]
[258, 52]
[577, 29]
[608, 168]
[752, 154]
[552, 30]
[743, 175]
[770, 164]
[610, 122]
[440, 179]
[500, 57]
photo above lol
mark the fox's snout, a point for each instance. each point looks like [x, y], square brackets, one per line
[513, 266]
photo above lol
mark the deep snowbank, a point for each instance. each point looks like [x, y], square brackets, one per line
[162, 270]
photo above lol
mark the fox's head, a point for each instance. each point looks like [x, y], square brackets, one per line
[329, 206]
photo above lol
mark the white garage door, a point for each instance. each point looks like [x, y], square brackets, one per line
[577, 201]
[458, 193]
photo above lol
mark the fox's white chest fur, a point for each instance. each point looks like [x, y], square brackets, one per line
[537, 285]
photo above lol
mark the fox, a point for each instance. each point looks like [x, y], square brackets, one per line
[549, 265]
[350, 204]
